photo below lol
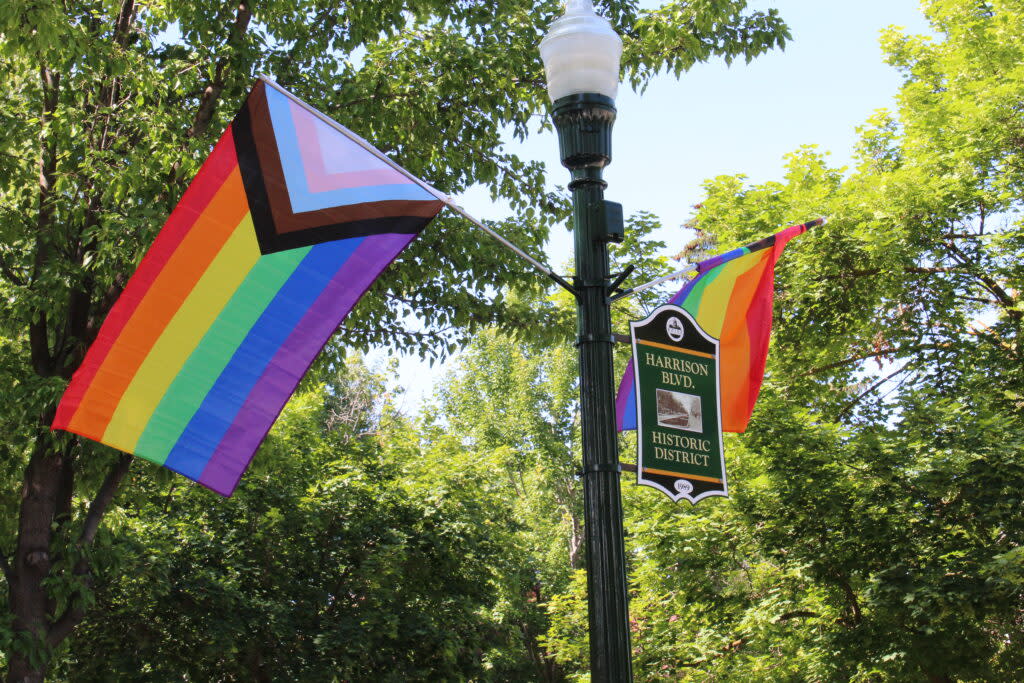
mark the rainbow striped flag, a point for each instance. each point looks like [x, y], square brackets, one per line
[731, 299]
[286, 225]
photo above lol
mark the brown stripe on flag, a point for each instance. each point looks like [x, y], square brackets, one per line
[285, 220]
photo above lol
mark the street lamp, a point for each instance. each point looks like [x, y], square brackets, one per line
[581, 58]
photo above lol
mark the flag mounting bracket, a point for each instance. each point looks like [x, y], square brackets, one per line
[614, 285]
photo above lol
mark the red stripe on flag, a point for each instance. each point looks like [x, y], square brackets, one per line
[214, 171]
[759, 317]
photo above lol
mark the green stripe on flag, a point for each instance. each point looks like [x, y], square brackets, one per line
[211, 356]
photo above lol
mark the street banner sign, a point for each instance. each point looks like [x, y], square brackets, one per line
[679, 440]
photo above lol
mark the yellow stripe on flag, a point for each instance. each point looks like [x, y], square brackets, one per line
[715, 299]
[181, 336]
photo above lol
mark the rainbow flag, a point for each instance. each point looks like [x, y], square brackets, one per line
[286, 225]
[731, 298]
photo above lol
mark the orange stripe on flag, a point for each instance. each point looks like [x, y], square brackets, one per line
[161, 302]
[735, 349]
[197, 197]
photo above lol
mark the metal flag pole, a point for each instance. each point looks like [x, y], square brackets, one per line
[581, 61]
[653, 283]
[692, 267]
[511, 247]
[447, 199]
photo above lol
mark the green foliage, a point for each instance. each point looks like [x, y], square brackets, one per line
[327, 564]
[504, 429]
[877, 489]
[874, 530]
[109, 110]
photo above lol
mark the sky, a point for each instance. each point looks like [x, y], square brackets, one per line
[717, 120]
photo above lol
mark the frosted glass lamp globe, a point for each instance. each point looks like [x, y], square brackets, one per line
[581, 53]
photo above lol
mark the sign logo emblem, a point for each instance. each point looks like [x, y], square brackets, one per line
[674, 329]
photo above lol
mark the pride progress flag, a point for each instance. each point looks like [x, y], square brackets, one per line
[731, 299]
[286, 225]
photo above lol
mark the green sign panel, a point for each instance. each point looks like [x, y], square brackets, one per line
[679, 425]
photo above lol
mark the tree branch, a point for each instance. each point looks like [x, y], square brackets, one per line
[852, 598]
[50, 84]
[990, 302]
[9, 272]
[170, 492]
[38, 331]
[853, 404]
[39, 345]
[211, 95]
[65, 489]
[866, 356]
[104, 496]
[327, 19]
[730, 648]
[108, 93]
[64, 625]
[1006, 301]
[125, 18]
[5, 566]
[933, 269]
[800, 613]
[923, 270]
[73, 615]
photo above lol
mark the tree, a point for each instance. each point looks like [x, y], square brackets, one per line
[875, 530]
[882, 471]
[506, 422]
[110, 108]
[335, 566]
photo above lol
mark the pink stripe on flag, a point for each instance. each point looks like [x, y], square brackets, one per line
[312, 147]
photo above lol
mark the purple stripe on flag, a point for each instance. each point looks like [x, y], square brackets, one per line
[623, 402]
[292, 360]
[708, 264]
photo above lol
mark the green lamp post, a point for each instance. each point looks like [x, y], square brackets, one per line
[581, 55]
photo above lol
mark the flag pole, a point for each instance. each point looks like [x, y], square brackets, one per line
[447, 199]
[511, 247]
[691, 267]
[653, 283]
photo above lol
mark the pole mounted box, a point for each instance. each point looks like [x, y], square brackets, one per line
[614, 228]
